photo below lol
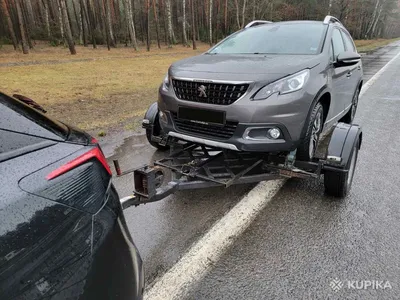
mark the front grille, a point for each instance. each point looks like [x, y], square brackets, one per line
[214, 93]
[223, 132]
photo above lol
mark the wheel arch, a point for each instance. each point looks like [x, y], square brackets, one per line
[324, 95]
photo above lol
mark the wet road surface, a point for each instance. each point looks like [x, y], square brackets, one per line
[164, 230]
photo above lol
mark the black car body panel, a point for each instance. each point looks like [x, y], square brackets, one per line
[65, 237]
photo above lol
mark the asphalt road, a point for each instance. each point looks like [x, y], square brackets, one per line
[302, 239]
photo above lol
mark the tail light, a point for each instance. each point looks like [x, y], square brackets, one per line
[93, 153]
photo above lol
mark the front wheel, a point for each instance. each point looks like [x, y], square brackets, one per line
[338, 184]
[308, 146]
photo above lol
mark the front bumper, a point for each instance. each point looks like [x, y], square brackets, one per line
[239, 141]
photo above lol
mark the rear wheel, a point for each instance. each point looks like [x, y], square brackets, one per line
[338, 184]
[308, 146]
[155, 131]
[349, 116]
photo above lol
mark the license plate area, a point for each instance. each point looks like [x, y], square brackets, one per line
[202, 116]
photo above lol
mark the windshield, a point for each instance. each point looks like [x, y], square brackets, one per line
[290, 38]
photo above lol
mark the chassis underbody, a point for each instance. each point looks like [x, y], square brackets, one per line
[195, 166]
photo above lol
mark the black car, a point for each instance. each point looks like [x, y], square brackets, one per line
[62, 231]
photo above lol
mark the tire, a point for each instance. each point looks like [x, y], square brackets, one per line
[156, 131]
[348, 118]
[308, 146]
[338, 184]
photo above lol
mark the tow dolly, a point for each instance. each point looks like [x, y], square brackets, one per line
[196, 166]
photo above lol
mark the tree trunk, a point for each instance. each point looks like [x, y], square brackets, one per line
[148, 24]
[60, 20]
[237, 14]
[254, 10]
[193, 27]
[25, 47]
[165, 22]
[185, 41]
[169, 18]
[10, 25]
[373, 19]
[157, 23]
[131, 24]
[67, 27]
[243, 13]
[109, 27]
[47, 17]
[226, 17]
[78, 17]
[29, 9]
[210, 22]
[85, 23]
[89, 11]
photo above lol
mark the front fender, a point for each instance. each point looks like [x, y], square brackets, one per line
[150, 116]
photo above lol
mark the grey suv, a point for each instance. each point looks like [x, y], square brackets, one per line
[271, 87]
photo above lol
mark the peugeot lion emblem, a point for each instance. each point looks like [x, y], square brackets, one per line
[202, 89]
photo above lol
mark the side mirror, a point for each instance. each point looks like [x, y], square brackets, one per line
[347, 58]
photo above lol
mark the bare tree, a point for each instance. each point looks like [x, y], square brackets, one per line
[185, 42]
[210, 21]
[60, 20]
[67, 27]
[131, 25]
[10, 25]
[157, 23]
[25, 46]
[110, 32]
[148, 24]
[193, 28]
[47, 17]
[171, 35]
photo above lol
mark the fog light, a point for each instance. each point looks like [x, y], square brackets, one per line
[274, 133]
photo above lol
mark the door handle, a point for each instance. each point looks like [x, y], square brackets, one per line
[359, 68]
[348, 74]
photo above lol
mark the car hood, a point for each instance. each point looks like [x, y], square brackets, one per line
[242, 67]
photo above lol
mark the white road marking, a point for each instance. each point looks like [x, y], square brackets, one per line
[378, 74]
[202, 255]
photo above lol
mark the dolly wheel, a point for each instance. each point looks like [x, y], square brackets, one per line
[338, 184]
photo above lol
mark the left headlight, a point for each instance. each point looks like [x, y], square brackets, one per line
[285, 85]
[166, 82]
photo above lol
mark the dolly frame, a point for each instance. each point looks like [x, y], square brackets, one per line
[196, 166]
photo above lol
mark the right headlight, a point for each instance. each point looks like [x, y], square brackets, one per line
[166, 82]
[285, 85]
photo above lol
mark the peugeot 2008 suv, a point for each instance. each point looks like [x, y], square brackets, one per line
[271, 87]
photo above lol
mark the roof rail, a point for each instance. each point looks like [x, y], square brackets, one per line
[330, 19]
[257, 23]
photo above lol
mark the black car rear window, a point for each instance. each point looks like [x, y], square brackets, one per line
[280, 38]
[19, 117]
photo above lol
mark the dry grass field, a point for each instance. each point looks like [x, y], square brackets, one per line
[97, 89]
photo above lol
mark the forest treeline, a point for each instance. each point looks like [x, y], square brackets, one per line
[155, 22]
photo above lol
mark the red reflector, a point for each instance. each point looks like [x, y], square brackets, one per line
[94, 141]
[94, 153]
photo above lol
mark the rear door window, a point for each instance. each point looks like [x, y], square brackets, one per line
[18, 117]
